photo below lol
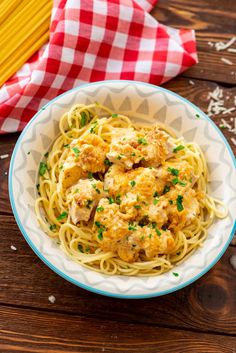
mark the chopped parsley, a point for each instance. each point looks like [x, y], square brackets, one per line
[118, 200]
[179, 204]
[119, 157]
[66, 146]
[107, 162]
[114, 115]
[155, 202]
[95, 125]
[175, 274]
[87, 249]
[76, 191]
[173, 171]
[88, 203]
[155, 194]
[177, 181]
[90, 175]
[83, 119]
[191, 180]
[130, 227]
[80, 248]
[132, 183]
[157, 231]
[111, 200]
[96, 189]
[133, 154]
[222, 126]
[100, 209]
[166, 189]
[142, 141]
[100, 233]
[28, 152]
[178, 148]
[137, 207]
[76, 151]
[142, 237]
[61, 167]
[52, 226]
[46, 154]
[98, 224]
[42, 168]
[62, 216]
[150, 235]
[171, 202]
[197, 116]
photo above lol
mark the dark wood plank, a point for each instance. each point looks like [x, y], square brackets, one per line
[197, 93]
[214, 21]
[33, 331]
[207, 305]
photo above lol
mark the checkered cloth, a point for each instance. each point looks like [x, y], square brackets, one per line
[93, 41]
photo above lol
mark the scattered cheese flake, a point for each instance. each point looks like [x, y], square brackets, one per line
[227, 111]
[191, 82]
[5, 173]
[231, 50]
[232, 261]
[4, 156]
[210, 44]
[235, 100]
[13, 248]
[226, 61]
[233, 140]
[222, 46]
[52, 299]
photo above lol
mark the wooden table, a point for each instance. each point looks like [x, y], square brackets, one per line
[199, 318]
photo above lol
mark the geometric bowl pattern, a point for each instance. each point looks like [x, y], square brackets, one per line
[143, 103]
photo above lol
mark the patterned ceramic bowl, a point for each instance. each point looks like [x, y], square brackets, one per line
[148, 104]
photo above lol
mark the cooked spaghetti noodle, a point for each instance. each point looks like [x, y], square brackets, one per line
[122, 198]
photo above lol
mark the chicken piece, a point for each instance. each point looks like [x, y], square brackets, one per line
[71, 172]
[128, 239]
[123, 148]
[84, 196]
[156, 148]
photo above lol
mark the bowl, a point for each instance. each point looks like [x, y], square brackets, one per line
[144, 103]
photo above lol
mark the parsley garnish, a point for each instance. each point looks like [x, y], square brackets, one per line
[80, 248]
[137, 207]
[155, 202]
[46, 154]
[90, 175]
[150, 235]
[66, 146]
[98, 224]
[119, 157]
[96, 189]
[114, 115]
[118, 200]
[42, 168]
[173, 171]
[158, 232]
[28, 152]
[62, 216]
[197, 116]
[76, 151]
[88, 203]
[177, 181]
[61, 166]
[179, 204]
[76, 191]
[52, 226]
[130, 227]
[175, 274]
[83, 119]
[100, 233]
[132, 183]
[100, 209]
[142, 141]
[155, 194]
[142, 237]
[166, 189]
[222, 126]
[93, 128]
[178, 148]
[111, 200]
[133, 154]
[107, 162]
[171, 202]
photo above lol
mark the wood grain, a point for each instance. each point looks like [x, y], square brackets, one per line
[213, 21]
[207, 305]
[34, 331]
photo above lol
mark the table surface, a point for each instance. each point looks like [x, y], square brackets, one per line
[199, 318]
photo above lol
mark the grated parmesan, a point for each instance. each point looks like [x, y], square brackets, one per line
[226, 61]
[233, 140]
[13, 248]
[231, 50]
[52, 299]
[4, 156]
[222, 46]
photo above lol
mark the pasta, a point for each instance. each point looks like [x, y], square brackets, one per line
[24, 28]
[122, 198]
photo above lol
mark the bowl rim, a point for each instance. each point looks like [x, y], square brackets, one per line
[63, 274]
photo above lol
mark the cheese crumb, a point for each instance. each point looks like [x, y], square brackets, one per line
[13, 248]
[222, 46]
[226, 61]
[52, 299]
[4, 156]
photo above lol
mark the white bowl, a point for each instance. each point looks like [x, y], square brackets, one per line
[144, 103]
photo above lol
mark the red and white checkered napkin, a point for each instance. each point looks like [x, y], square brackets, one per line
[92, 41]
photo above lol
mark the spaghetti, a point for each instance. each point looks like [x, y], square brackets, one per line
[122, 198]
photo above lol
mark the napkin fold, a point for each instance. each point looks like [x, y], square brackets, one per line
[93, 41]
